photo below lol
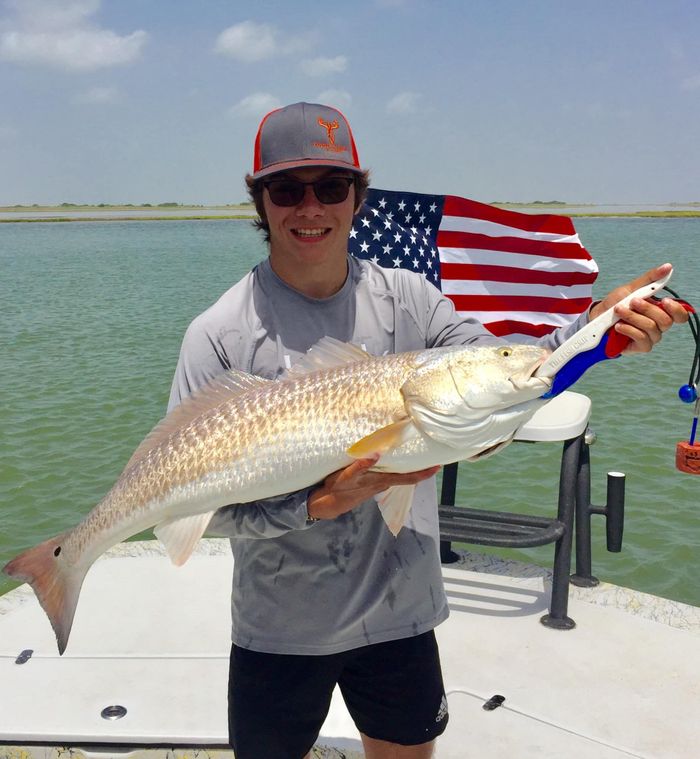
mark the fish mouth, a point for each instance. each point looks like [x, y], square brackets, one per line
[526, 380]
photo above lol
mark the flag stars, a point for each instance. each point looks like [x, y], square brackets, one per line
[396, 231]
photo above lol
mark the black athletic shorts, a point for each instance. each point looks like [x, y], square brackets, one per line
[277, 703]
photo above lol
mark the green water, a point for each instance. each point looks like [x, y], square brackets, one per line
[92, 315]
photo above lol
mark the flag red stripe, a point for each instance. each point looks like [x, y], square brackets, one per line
[550, 223]
[482, 272]
[539, 248]
[508, 327]
[519, 303]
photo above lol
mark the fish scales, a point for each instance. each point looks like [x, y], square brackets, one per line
[254, 436]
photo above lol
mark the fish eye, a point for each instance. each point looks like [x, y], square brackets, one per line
[505, 352]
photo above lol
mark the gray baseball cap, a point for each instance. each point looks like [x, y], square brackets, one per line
[304, 134]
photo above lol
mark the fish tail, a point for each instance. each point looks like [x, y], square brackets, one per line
[55, 582]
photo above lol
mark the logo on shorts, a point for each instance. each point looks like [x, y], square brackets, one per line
[442, 711]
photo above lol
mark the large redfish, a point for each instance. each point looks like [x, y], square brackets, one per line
[243, 438]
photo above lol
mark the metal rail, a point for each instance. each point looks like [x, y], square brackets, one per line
[509, 530]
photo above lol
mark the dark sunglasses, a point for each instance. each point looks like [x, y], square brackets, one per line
[290, 192]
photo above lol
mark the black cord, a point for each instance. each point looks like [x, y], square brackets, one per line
[694, 324]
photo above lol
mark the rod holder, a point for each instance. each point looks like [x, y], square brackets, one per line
[615, 511]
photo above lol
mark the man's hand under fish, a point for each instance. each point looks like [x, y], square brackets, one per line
[342, 491]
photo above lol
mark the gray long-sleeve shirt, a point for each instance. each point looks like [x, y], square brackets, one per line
[336, 584]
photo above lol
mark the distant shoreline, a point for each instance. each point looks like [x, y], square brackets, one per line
[54, 219]
[70, 212]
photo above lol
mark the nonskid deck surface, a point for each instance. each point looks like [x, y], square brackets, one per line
[155, 639]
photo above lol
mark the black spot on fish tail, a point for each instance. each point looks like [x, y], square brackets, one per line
[414, 627]
[391, 598]
[364, 630]
[432, 599]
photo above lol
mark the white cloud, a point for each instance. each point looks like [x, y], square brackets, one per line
[60, 33]
[255, 105]
[98, 96]
[249, 41]
[323, 66]
[404, 102]
[338, 98]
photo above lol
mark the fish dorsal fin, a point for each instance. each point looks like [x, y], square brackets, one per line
[327, 353]
[221, 388]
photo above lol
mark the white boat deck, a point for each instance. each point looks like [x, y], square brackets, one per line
[155, 639]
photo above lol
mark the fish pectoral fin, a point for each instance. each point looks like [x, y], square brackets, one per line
[181, 535]
[394, 504]
[383, 440]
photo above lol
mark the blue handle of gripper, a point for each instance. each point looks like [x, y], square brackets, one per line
[577, 366]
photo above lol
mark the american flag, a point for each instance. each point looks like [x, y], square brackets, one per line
[517, 273]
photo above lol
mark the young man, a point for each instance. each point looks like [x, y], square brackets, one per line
[322, 592]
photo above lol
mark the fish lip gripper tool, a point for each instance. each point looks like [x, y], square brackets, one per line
[595, 342]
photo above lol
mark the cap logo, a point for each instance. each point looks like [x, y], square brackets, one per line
[330, 127]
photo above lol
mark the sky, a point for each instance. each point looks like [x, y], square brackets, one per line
[148, 101]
